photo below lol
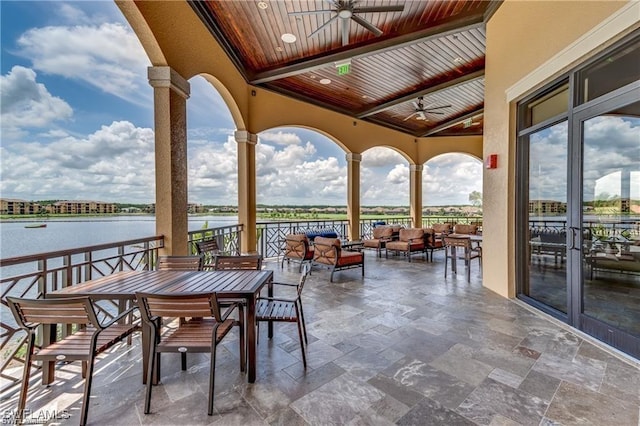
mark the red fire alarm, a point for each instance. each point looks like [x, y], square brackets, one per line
[492, 161]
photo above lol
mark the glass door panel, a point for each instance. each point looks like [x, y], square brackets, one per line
[547, 281]
[611, 219]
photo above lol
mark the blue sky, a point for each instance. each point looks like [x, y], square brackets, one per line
[77, 124]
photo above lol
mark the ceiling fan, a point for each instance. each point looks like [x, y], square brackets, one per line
[420, 110]
[347, 10]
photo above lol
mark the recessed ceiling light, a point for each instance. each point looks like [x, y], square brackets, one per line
[288, 38]
[279, 49]
[312, 76]
[458, 60]
[325, 81]
[263, 5]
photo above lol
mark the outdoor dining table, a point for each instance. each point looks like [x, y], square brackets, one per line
[229, 284]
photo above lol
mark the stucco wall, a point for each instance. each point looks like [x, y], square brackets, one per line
[522, 37]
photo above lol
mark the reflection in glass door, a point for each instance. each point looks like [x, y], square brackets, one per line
[611, 223]
[547, 281]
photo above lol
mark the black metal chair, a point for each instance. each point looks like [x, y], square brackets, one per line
[286, 309]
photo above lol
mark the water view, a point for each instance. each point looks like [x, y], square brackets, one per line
[66, 233]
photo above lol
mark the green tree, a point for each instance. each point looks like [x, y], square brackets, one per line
[475, 198]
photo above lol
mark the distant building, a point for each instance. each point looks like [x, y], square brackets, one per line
[195, 208]
[81, 207]
[547, 207]
[17, 207]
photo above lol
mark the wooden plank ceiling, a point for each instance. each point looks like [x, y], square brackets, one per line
[415, 66]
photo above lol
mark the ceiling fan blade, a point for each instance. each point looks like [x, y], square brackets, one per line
[434, 112]
[368, 25]
[437, 107]
[345, 31]
[408, 117]
[321, 27]
[396, 8]
[415, 105]
[309, 12]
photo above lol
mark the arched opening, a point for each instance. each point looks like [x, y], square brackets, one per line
[384, 182]
[452, 186]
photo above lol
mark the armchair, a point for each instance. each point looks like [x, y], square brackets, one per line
[381, 235]
[298, 249]
[328, 253]
[410, 240]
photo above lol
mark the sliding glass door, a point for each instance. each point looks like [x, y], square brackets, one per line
[578, 198]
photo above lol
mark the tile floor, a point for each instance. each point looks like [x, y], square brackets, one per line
[401, 346]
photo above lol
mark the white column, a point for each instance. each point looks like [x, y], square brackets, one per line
[353, 195]
[415, 190]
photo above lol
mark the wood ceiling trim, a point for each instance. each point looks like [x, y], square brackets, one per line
[423, 92]
[457, 25]
[453, 122]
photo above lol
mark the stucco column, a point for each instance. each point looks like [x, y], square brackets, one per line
[170, 93]
[247, 190]
[415, 193]
[353, 195]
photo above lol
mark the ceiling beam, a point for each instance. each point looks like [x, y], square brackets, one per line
[453, 122]
[423, 92]
[458, 25]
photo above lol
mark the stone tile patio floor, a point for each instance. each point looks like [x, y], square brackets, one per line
[401, 346]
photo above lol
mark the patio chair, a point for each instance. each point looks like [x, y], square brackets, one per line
[470, 252]
[297, 249]
[411, 240]
[237, 262]
[286, 309]
[431, 242]
[90, 338]
[328, 253]
[208, 249]
[180, 263]
[196, 336]
[381, 235]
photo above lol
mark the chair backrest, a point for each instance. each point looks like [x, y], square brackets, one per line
[196, 305]
[382, 232]
[253, 262]
[441, 228]
[180, 263]
[296, 245]
[208, 249]
[407, 234]
[326, 250]
[29, 313]
[457, 242]
[465, 229]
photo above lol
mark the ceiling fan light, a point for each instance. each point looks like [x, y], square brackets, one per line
[263, 5]
[325, 81]
[345, 14]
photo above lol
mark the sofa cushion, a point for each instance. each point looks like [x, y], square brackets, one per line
[350, 258]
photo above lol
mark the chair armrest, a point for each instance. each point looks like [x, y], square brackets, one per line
[119, 317]
[286, 284]
[230, 308]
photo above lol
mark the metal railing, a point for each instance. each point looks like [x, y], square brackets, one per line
[36, 275]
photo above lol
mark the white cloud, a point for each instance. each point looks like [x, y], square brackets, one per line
[381, 157]
[116, 163]
[107, 56]
[27, 103]
[280, 138]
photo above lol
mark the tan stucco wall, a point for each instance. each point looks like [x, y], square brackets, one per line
[521, 37]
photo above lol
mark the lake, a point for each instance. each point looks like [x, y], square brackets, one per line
[67, 233]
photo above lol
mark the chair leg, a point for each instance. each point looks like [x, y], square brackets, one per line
[212, 378]
[87, 390]
[302, 346]
[22, 402]
[150, 375]
[183, 361]
[243, 344]
[304, 327]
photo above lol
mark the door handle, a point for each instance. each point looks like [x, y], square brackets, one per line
[574, 232]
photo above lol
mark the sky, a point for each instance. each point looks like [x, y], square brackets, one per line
[77, 124]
